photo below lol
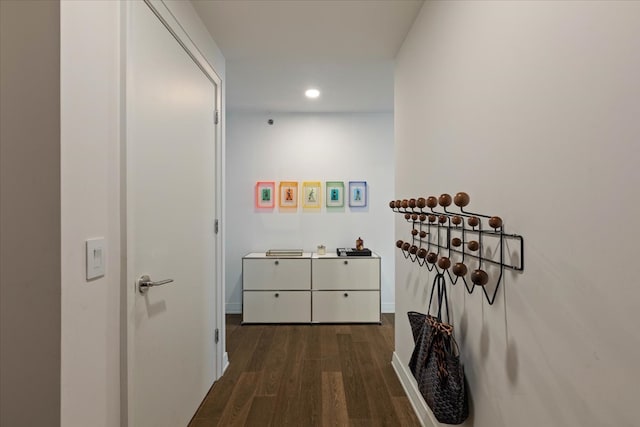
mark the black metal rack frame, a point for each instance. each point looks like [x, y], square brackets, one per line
[435, 239]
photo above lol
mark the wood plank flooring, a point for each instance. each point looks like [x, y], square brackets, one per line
[307, 375]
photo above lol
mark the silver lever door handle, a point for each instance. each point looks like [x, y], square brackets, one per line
[144, 283]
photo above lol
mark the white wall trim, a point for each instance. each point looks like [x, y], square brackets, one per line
[234, 308]
[163, 12]
[225, 362]
[411, 389]
[388, 307]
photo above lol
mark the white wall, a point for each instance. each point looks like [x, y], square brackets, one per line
[91, 85]
[90, 208]
[532, 108]
[308, 147]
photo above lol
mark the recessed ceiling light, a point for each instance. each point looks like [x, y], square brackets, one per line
[312, 93]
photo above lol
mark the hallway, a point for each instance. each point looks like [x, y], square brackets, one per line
[308, 375]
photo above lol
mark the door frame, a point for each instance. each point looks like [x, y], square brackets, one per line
[127, 299]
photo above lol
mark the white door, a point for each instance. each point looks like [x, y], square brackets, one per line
[170, 180]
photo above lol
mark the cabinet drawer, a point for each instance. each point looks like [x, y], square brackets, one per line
[346, 273]
[281, 274]
[346, 306]
[276, 307]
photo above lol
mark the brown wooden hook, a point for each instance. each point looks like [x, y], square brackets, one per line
[495, 222]
[444, 200]
[459, 269]
[461, 199]
[479, 277]
[444, 263]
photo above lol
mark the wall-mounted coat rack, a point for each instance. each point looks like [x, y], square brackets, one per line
[440, 236]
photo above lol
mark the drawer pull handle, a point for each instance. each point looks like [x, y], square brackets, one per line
[346, 262]
[277, 262]
[277, 295]
[346, 294]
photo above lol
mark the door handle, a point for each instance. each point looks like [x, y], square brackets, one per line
[144, 283]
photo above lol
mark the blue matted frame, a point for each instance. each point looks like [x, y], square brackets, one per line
[358, 194]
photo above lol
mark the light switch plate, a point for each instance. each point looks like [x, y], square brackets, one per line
[95, 258]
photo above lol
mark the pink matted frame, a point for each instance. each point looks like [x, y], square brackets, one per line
[265, 194]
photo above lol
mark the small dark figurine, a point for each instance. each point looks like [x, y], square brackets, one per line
[359, 244]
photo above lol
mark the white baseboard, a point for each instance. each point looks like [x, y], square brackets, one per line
[388, 307]
[225, 361]
[233, 308]
[411, 389]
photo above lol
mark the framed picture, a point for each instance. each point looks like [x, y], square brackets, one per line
[357, 194]
[335, 194]
[265, 194]
[311, 194]
[288, 194]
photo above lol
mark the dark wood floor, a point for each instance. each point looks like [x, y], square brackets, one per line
[307, 375]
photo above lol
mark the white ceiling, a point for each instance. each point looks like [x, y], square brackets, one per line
[276, 49]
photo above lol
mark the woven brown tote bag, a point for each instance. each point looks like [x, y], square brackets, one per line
[435, 361]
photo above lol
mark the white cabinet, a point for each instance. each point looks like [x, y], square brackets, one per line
[276, 289]
[332, 272]
[346, 306]
[310, 288]
[345, 289]
[276, 307]
[276, 273]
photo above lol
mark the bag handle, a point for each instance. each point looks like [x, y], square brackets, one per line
[440, 282]
[442, 296]
[433, 288]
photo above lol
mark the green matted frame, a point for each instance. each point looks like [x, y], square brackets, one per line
[334, 194]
